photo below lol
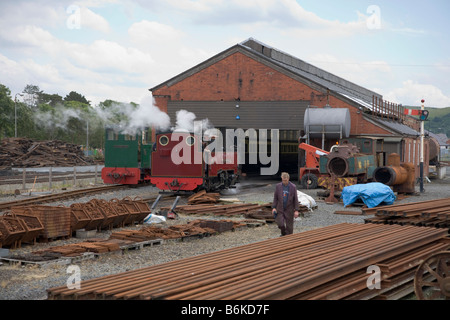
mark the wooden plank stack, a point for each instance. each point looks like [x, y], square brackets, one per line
[28, 153]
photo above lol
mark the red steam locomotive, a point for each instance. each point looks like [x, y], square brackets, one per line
[175, 162]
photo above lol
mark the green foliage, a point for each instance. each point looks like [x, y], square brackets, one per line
[51, 99]
[45, 116]
[6, 113]
[75, 96]
[438, 120]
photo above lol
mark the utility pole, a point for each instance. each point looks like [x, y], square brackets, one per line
[15, 113]
[422, 133]
[87, 137]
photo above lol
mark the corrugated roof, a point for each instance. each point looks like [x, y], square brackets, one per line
[441, 138]
[324, 78]
[397, 127]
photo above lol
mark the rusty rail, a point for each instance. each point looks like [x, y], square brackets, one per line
[433, 213]
[61, 221]
[60, 196]
[290, 267]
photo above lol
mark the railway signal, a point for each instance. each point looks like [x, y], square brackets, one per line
[423, 114]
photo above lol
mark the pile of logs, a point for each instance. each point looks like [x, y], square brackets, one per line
[28, 153]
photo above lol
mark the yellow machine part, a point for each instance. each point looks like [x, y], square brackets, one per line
[339, 182]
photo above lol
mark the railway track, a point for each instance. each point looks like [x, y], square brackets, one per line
[60, 196]
[44, 178]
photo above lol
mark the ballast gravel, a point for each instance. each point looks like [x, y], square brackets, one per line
[30, 282]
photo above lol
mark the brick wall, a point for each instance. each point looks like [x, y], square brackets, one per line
[239, 76]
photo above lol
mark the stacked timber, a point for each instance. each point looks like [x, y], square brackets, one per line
[28, 153]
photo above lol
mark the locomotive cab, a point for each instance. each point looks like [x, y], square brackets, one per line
[181, 161]
[127, 157]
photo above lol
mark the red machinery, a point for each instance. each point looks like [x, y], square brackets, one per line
[309, 174]
[178, 164]
[174, 162]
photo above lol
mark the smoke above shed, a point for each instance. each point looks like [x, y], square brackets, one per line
[185, 121]
[131, 118]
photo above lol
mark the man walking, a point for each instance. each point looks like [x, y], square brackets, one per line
[285, 205]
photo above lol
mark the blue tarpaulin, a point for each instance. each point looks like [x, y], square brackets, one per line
[372, 194]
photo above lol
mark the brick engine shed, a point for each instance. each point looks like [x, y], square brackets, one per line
[252, 85]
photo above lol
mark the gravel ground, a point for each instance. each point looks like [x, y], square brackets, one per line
[30, 282]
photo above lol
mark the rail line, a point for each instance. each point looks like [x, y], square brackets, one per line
[44, 178]
[60, 196]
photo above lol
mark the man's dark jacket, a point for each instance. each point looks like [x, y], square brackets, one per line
[292, 204]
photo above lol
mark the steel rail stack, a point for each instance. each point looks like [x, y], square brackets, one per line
[326, 263]
[431, 213]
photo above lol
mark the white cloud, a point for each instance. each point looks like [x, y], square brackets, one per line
[25, 35]
[13, 13]
[90, 19]
[251, 15]
[108, 56]
[411, 93]
[171, 49]
[37, 48]
[99, 55]
[368, 74]
[100, 70]
[146, 33]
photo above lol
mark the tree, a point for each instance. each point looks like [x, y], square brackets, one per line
[48, 116]
[75, 96]
[51, 99]
[31, 95]
[6, 112]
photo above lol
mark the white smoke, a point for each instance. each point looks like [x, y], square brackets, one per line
[59, 118]
[185, 122]
[146, 114]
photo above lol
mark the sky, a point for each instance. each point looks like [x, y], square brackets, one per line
[111, 49]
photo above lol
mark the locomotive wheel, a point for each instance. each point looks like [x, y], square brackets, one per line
[432, 278]
[309, 181]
